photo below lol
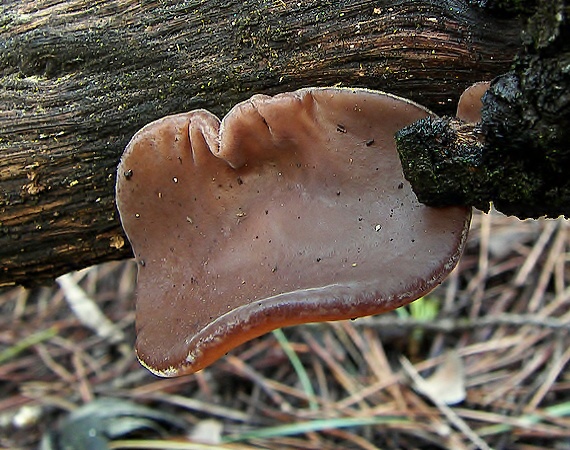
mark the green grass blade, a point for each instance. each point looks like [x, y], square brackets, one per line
[299, 368]
[316, 425]
[27, 342]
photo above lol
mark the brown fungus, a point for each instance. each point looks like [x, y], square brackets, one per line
[274, 217]
[470, 103]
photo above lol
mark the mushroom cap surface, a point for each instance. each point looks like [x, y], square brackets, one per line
[293, 209]
[471, 102]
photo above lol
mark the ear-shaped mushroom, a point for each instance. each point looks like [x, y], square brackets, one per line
[293, 209]
[470, 102]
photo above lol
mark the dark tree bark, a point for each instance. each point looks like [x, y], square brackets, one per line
[78, 78]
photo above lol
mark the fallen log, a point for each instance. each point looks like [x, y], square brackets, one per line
[79, 78]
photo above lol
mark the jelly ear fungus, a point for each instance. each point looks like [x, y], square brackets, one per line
[292, 209]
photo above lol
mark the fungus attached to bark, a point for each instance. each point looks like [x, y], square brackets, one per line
[471, 102]
[293, 209]
[443, 157]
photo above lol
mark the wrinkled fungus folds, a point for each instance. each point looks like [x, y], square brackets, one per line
[293, 209]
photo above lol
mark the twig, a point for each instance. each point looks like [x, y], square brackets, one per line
[449, 325]
[246, 371]
[551, 376]
[548, 268]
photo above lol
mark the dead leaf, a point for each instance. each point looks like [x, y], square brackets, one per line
[447, 384]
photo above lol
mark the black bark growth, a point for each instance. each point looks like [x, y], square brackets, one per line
[443, 160]
[519, 156]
